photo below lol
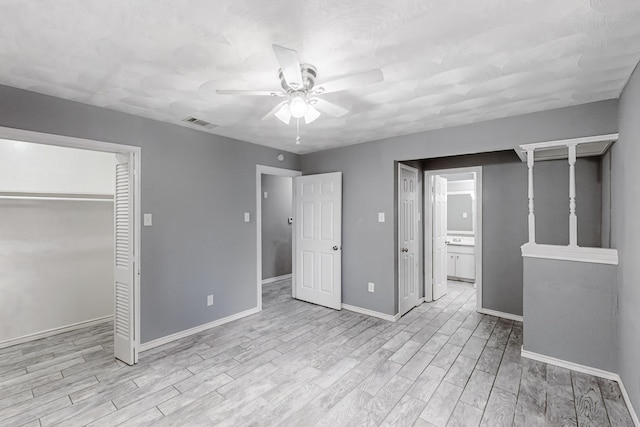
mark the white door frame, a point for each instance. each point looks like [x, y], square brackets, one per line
[416, 224]
[428, 232]
[107, 147]
[269, 170]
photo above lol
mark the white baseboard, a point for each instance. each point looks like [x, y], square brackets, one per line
[569, 365]
[586, 370]
[276, 279]
[420, 301]
[383, 316]
[627, 400]
[55, 331]
[178, 335]
[496, 313]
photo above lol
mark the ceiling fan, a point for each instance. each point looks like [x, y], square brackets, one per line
[298, 84]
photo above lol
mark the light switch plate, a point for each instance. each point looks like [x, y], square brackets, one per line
[380, 216]
[209, 300]
[371, 287]
[148, 220]
[265, 194]
[464, 214]
[247, 217]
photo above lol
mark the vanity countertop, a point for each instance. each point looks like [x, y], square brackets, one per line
[460, 241]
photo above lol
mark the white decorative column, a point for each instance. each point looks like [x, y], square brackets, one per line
[573, 219]
[532, 218]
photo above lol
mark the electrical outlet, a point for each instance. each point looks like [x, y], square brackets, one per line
[209, 300]
[372, 287]
[380, 216]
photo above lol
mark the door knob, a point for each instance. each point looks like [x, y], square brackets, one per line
[335, 248]
[405, 250]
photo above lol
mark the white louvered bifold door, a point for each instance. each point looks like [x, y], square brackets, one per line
[124, 344]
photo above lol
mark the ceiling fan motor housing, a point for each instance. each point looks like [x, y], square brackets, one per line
[309, 73]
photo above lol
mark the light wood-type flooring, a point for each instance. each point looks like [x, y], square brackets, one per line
[298, 364]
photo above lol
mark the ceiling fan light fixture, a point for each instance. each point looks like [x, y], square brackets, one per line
[297, 106]
[284, 115]
[311, 114]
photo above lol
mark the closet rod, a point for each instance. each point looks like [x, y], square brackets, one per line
[56, 196]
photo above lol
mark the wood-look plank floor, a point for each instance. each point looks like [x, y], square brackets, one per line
[298, 364]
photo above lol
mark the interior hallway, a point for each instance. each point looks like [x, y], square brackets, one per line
[298, 364]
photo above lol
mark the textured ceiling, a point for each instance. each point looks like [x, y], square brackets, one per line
[446, 62]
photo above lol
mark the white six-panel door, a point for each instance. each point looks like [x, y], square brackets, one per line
[407, 238]
[318, 239]
[440, 260]
[124, 340]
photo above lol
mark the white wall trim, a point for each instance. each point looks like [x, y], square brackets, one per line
[383, 316]
[268, 170]
[569, 365]
[572, 141]
[188, 332]
[627, 400]
[571, 253]
[276, 279]
[64, 141]
[501, 314]
[55, 331]
[585, 370]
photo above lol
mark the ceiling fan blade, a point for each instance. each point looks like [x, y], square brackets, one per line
[328, 108]
[352, 81]
[290, 66]
[250, 92]
[311, 114]
[274, 110]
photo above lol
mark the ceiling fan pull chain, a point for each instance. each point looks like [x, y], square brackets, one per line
[297, 131]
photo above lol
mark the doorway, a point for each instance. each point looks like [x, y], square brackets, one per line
[453, 230]
[277, 233]
[126, 233]
[316, 256]
[277, 226]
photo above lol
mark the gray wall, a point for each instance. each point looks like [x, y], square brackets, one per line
[196, 185]
[56, 267]
[277, 233]
[570, 311]
[369, 248]
[504, 215]
[625, 233]
[551, 196]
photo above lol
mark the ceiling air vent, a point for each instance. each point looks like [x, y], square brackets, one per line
[199, 122]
